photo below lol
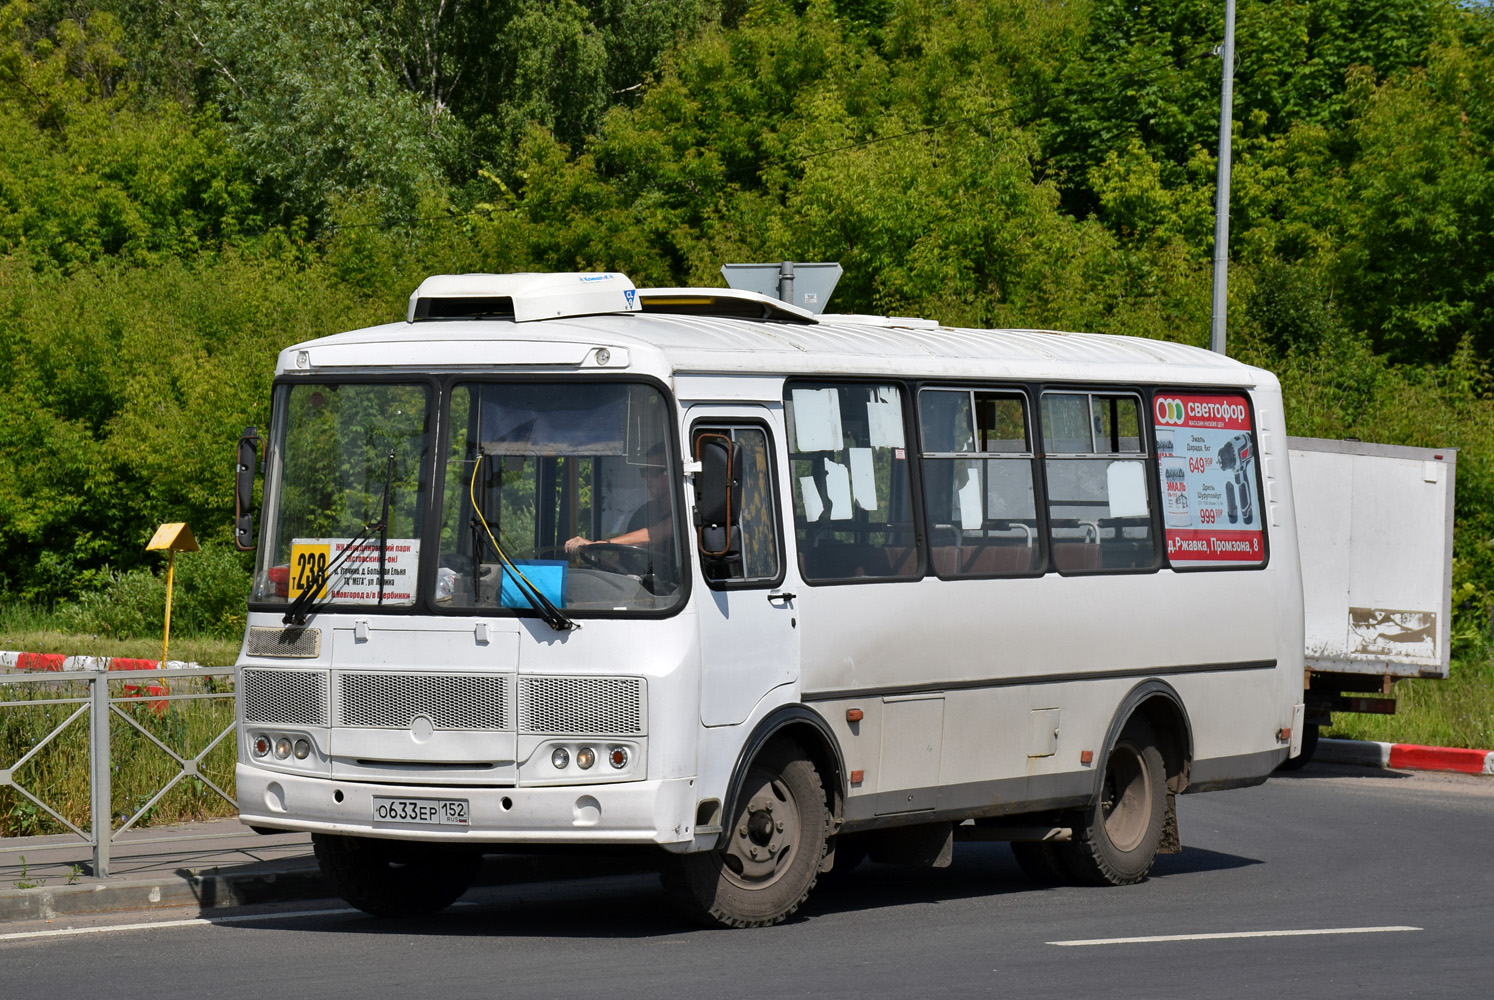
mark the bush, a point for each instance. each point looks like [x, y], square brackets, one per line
[208, 598]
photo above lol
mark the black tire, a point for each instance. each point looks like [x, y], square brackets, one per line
[391, 878]
[1040, 862]
[1116, 839]
[1309, 747]
[775, 844]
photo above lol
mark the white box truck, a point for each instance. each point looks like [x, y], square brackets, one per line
[1375, 530]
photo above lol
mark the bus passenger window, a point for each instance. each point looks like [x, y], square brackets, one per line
[978, 483]
[853, 509]
[753, 557]
[1099, 512]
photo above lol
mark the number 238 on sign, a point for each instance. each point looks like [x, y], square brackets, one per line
[308, 568]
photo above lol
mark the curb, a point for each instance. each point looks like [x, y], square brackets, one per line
[289, 884]
[205, 892]
[1405, 756]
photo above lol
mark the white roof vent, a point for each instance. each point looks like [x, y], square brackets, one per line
[521, 297]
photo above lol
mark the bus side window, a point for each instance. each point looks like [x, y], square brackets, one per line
[1099, 512]
[978, 483]
[754, 556]
[853, 510]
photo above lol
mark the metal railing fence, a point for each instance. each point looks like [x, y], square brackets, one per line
[97, 698]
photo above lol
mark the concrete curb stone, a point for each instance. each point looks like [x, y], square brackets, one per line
[1406, 756]
[289, 880]
[205, 892]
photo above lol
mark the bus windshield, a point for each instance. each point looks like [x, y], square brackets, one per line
[348, 470]
[565, 489]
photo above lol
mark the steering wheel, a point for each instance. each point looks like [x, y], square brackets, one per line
[632, 560]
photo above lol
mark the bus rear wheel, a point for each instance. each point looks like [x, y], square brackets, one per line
[1116, 839]
[774, 847]
[390, 878]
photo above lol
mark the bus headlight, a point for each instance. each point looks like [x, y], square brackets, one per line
[618, 757]
[261, 745]
[585, 757]
[560, 758]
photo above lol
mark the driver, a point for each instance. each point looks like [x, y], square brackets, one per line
[651, 526]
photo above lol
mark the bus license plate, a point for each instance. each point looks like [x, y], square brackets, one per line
[426, 812]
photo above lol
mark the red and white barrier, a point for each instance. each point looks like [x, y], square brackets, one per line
[1406, 756]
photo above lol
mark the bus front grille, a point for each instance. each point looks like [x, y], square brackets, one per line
[284, 697]
[545, 705]
[582, 706]
[450, 701]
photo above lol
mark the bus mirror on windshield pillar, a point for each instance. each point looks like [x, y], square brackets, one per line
[243, 490]
[718, 493]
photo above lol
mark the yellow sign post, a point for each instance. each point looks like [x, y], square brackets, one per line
[175, 537]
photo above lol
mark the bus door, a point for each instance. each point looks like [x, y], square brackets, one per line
[749, 637]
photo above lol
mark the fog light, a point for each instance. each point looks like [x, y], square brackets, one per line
[283, 747]
[261, 745]
[585, 757]
[561, 758]
[618, 757]
[303, 749]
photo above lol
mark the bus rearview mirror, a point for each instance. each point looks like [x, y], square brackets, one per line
[718, 495]
[243, 489]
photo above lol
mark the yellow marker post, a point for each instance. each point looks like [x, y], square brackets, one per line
[175, 537]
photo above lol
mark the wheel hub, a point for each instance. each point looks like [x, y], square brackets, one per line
[765, 835]
[1126, 800]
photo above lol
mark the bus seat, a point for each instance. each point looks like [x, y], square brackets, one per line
[1076, 555]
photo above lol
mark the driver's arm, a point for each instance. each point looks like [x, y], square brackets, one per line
[638, 536]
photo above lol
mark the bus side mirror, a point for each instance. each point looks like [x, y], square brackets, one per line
[243, 490]
[718, 492]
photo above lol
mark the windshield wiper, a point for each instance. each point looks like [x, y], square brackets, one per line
[306, 602]
[553, 616]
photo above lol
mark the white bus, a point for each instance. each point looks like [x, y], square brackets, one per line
[558, 561]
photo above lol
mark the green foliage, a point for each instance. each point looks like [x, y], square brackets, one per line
[1456, 712]
[185, 191]
[209, 592]
[84, 175]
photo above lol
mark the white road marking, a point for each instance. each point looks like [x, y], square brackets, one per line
[156, 924]
[1309, 932]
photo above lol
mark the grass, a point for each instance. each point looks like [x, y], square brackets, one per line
[208, 652]
[59, 773]
[26, 628]
[1456, 712]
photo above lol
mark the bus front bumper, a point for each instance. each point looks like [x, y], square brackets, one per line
[635, 812]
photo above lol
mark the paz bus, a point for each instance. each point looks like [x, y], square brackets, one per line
[560, 561]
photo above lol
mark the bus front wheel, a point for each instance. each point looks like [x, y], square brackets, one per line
[771, 858]
[1115, 840]
[390, 878]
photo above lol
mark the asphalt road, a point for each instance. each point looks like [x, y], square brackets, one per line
[1397, 866]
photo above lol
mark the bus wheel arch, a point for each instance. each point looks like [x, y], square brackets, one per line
[809, 731]
[1160, 705]
[778, 823]
[1133, 816]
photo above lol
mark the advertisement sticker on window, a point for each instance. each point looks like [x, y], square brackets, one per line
[356, 579]
[1206, 465]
